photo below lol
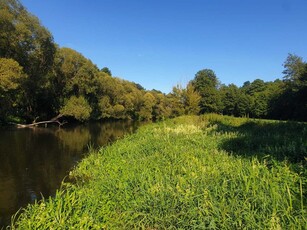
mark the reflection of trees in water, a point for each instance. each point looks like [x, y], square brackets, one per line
[25, 157]
[35, 161]
[75, 139]
[8, 200]
[32, 161]
[109, 132]
[98, 134]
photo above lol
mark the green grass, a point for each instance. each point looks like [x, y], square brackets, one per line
[208, 172]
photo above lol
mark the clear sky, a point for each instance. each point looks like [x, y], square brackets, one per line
[159, 43]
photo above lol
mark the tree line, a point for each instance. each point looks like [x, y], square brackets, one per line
[284, 99]
[39, 79]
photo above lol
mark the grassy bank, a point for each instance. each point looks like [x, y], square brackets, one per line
[208, 172]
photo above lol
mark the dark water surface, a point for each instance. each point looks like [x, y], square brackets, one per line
[34, 162]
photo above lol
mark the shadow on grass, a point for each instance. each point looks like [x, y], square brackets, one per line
[262, 139]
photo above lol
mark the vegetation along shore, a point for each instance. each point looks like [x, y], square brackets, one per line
[191, 172]
[41, 81]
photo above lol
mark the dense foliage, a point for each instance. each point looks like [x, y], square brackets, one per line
[207, 172]
[281, 99]
[39, 79]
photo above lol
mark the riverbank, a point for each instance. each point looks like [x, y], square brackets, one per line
[208, 172]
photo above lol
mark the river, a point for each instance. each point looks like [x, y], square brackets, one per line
[34, 161]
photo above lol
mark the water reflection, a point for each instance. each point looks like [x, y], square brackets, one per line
[33, 162]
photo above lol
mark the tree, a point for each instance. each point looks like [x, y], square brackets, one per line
[106, 70]
[75, 75]
[295, 69]
[147, 108]
[184, 100]
[230, 95]
[11, 75]
[294, 97]
[161, 108]
[118, 111]
[205, 78]
[257, 96]
[192, 99]
[235, 101]
[11, 79]
[243, 106]
[131, 98]
[177, 100]
[25, 40]
[256, 86]
[259, 107]
[206, 84]
[77, 107]
[105, 107]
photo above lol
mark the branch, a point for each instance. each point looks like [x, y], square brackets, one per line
[34, 124]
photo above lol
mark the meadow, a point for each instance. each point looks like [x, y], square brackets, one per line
[191, 172]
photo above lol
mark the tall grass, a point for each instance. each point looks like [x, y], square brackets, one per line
[186, 173]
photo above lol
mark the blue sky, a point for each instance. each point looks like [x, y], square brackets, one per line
[159, 43]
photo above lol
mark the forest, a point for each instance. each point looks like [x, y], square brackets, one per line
[40, 80]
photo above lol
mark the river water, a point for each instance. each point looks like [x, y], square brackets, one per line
[34, 162]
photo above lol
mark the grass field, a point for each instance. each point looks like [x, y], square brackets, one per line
[207, 172]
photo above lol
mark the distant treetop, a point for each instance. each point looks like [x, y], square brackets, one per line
[106, 70]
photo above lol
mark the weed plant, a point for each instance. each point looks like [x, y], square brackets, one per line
[207, 172]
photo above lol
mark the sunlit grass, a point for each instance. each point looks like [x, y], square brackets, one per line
[186, 173]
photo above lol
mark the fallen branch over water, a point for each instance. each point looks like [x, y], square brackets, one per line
[35, 124]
